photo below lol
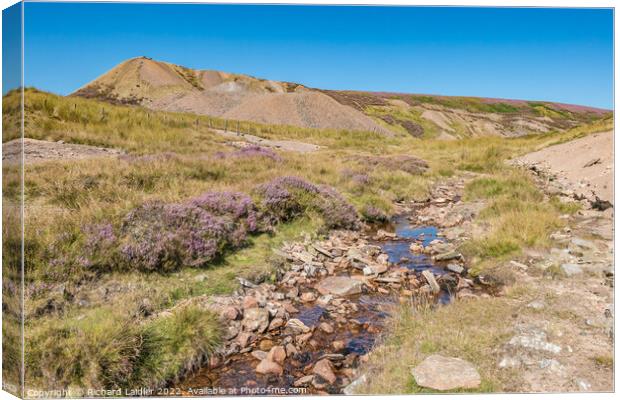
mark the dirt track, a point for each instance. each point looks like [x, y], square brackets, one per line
[42, 150]
[584, 165]
[288, 145]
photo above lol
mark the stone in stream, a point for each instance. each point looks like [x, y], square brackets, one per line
[322, 250]
[447, 256]
[267, 367]
[446, 373]
[276, 323]
[297, 326]
[375, 269]
[416, 248]
[303, 381]
[291, 349]
[338, 345]
[324, 369]
[324, 300]
[256, 319]
[308, 297]
[230, 313]
[339, 286]
[430, 278]
[381, 235]
[325, 327]
[457, 269]
[383, 259]
[277, 354]
[442, 247]
[259, 354]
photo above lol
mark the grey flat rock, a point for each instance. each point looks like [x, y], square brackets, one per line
[446, 373]
[339, 286]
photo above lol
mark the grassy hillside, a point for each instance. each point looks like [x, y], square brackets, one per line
[459, 117]
[96, 321]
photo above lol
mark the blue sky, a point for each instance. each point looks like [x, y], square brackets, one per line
[561, 55]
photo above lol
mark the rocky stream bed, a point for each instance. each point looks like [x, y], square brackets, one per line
[309, 332]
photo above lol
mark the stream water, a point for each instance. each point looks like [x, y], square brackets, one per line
[357, 332]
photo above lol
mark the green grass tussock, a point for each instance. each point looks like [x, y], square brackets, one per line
[105, 349]
[517, 216]
[463, 329]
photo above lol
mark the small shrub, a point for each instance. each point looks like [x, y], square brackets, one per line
[164, 237]
[237, 206]
[405, 163]
[373, 214]
[251, 152]
[288, 197]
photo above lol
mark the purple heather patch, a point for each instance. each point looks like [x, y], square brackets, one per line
[250, 152]
[285, 198]
[374, 214]
[163, 237]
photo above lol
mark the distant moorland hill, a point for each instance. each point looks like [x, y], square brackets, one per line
[163, 86]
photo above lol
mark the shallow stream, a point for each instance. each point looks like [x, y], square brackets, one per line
[356, 332]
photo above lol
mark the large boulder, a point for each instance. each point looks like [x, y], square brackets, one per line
[446, 373]
[339, 286]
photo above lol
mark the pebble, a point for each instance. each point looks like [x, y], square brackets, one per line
[266, 367]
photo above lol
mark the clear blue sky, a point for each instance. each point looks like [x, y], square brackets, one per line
[561, 55]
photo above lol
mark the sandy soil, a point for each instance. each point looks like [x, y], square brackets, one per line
[584, 165]
[40, 150]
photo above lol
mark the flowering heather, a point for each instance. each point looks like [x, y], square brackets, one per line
[356, 177]
[287, 197]
[410, 164]
[250, 152]
[336, 211]
[236, 206]
[374, 214]
[164, 237]
[132, 158]
[99, 236]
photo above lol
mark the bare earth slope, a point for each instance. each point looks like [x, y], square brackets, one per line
[165, 86]
[584, 165]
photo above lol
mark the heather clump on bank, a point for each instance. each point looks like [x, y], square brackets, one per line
[251, 152]
[288, 197]
[158, 236]
[405, 163]
[164, 237]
